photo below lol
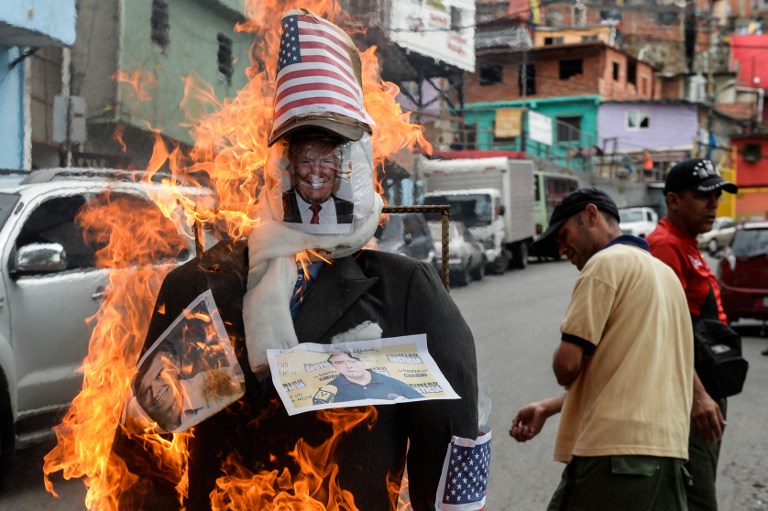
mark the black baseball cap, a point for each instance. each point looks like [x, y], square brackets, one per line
[574, 202]
[696, 174]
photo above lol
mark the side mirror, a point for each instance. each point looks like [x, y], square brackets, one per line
[501, 210]
[40, 258]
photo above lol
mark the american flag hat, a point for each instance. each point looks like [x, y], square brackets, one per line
[319, 80]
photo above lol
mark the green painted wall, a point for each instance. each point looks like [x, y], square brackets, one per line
[482, 115]
[192, 48]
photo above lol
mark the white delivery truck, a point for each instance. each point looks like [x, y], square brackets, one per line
[493, 197]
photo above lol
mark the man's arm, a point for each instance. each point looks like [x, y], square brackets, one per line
[531, 418]
[568, 363]
[706, 418]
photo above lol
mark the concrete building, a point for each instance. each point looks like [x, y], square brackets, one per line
[132, 62]
[34, 35]
[565, 83]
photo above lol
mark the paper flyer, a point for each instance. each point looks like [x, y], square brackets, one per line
[314, 376]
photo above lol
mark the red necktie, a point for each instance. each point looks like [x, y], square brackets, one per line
[315, 208]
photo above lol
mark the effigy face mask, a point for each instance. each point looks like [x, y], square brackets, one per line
[325, 183]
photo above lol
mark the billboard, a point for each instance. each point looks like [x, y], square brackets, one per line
[440, 29]
[540, 127]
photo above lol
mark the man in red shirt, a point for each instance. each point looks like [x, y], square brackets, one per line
[692, 191]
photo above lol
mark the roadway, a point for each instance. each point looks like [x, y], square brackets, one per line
[515, 319]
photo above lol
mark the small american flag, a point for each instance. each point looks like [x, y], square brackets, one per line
[317, 71]
[464, 480]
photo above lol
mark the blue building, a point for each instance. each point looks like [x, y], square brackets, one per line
[27, 28]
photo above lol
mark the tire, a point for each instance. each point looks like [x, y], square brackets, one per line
[520, 255]
[461, 278]
[479, 272]
[712, 247]
[500, 264]
[6, 427]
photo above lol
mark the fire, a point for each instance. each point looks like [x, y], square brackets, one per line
[317, 489]
[128, 235]
[142, 84]
[230, 150]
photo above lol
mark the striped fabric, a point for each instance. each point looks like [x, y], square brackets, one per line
[318, 71]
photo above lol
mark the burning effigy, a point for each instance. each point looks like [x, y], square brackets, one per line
[292, 162]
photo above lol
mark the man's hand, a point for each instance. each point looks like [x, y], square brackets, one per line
[531, 418]
[706, 418]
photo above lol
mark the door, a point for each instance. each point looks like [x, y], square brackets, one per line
[48, 311]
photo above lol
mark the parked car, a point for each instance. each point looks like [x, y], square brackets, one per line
[408, 235]
[721, 233]
[49, 284]
[743, 273]
[466, 258]
[638, 221]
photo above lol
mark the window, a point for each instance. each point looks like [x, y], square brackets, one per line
[551, 41]
[570, 67]
[568, 129]
[751, 153]
[224, 58]
[632, 73]
[54, 222]
[160, 26]
[490, 74]
[667, 18]
[638, 118]
[616, 68]
[589, 38]
[455, 18]
[530, 80]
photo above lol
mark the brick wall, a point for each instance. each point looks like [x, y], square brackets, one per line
[596, 76]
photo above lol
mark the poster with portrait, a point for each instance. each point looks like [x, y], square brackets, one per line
[317, 196]
[387, 371]
[189, 373]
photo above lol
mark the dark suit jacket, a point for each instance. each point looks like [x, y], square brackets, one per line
[291, 213]
[404, 297]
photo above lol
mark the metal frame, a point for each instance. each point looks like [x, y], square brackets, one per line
[444, 210]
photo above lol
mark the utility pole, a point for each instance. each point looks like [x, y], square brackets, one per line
[524, 83]
[710, 85]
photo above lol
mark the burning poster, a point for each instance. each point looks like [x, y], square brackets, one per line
[189, 373]
[384, 371]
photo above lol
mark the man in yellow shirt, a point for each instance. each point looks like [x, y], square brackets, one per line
[626, 361]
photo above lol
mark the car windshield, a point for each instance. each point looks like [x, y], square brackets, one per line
[750, 243]
[436, 230]
[631, 216]
[7, 203]
[470, 209]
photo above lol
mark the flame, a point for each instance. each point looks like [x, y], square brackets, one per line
[117, 136]
[132, 237]
[316, 489]
[228, 157]
[142, 84]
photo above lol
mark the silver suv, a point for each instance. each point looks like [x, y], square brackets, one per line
[49, 284]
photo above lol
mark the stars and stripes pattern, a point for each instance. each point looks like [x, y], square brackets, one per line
[464, 481]
[316, 71]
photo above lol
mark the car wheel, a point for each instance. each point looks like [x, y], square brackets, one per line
[479, 272]
[520, 255]
[500, 264]
[6, 426]
[461, 277]
[712, 246]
